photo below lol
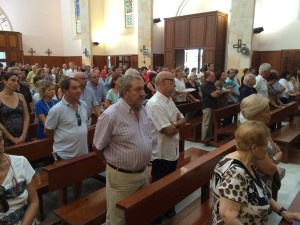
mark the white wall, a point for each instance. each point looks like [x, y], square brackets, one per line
[281, 25]
[42, 26]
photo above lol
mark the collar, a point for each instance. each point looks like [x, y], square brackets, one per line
[63, 100]
[163, 98]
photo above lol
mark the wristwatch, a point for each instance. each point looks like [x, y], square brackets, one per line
[281, 211]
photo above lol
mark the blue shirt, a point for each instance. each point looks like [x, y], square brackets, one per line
[99, 91]
[112, 96]
[231, 84]
[88, 96]
[42, 107]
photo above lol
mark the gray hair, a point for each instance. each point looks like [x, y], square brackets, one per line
[252, 105]
[43, 85]
[265, 67]
[125, 83]
[247, 77]
[132, 72]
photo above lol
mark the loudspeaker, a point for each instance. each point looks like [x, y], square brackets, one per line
[258, 30]
[156, 20]
[96, 43]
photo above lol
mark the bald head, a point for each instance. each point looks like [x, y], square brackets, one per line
[81, 77]
[163, 76]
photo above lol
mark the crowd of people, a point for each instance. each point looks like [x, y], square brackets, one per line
[138, 124]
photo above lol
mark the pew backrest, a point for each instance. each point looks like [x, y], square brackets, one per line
[67, 172]
[144, 206]
[190, 107]
[277, 115]
[32, 150]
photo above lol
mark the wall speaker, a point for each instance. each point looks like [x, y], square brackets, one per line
[96, 43]
[258, 30]
[156, 20]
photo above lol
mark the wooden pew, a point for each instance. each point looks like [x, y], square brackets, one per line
[68, 172]
[32, 130]
[294, 207]
[219, 115]
[91, 209]
[286, 135]
[189, 132]
[158, 197]
[35, 150]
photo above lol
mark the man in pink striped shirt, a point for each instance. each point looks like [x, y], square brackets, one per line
[123, 138]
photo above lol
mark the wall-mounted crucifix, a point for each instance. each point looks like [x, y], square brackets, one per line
[48, 52]
[239, 45]
[31, 51]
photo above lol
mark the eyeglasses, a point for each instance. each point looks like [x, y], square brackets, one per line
[171, 79]
[4, 207]
[78, 119]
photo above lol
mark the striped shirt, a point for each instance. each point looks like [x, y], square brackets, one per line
[125, 140]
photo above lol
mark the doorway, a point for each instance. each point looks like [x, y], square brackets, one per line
[189, 58]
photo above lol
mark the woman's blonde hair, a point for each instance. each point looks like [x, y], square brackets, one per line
[252, 105]
[43, 85]
[251, 133]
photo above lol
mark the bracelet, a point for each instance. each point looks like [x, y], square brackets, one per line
[281, 211]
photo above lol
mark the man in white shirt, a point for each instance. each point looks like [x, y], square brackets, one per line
[71, 72]
[261, 80]
[165, 120]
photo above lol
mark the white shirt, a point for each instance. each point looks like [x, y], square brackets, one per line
[261, 86]
[180, 86]
[162, 112]
[71, 73]
[287, 86]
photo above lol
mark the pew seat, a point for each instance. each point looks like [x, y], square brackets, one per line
[286, 136]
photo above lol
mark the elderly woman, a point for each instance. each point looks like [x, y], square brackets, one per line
[14, 119]
[256, 107]
[18, 198]
[194, 96]
[239, 195]
[42, 106]
[180, 94]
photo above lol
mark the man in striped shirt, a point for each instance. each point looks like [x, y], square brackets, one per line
[123, 139]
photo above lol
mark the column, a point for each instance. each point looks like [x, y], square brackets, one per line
[145, 26]
[241, 27]
[85, 31]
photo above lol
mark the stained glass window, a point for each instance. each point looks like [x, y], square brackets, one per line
[129, 13]
[77, 16]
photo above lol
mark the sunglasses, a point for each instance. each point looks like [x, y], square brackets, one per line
[78, 119]
[4, 207]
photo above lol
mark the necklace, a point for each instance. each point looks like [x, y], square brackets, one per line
[48, 105]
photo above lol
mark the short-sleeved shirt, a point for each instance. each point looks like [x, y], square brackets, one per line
[70, 139]
[17, 198]
[261, 86]
[208, 101]
[125, 140]
[88, 96]
[42, 107]
[162, 112]
[285, 83]
[234, 87]
[232, 180]
[112, 96]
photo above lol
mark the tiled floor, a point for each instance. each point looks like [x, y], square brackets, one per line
[289, 188]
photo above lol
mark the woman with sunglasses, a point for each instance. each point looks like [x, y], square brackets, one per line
[18, 198]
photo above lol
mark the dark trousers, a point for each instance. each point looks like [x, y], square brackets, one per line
[160, 169]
